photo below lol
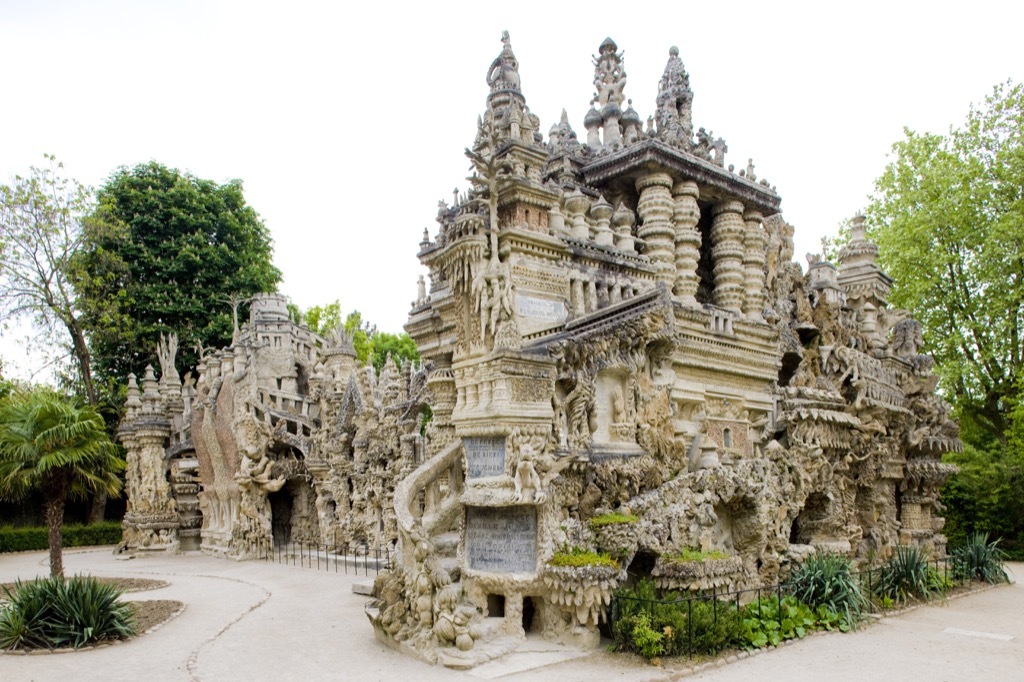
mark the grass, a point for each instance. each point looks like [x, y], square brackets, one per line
[612, 518]
[578, 558]
[690, 554]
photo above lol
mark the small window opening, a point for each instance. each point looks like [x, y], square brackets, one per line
[495, 606]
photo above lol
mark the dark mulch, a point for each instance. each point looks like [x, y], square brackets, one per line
[153, 612]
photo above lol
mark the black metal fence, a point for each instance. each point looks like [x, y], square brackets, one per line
[333, 558]
[727, 602]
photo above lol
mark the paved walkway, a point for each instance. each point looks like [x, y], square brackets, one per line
[264, 621]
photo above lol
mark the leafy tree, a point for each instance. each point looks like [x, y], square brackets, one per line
[948, 215]
[371, 345]
[170, 252]
[42, 216]
[324, 319]
[401, 347]
[49, 444]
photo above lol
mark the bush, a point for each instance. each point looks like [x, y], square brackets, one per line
[905, 576]
[772, 620]
[578, 557]
[979, 559]
[673, 625]
[827, 580]
[34, 538]
[53, 613]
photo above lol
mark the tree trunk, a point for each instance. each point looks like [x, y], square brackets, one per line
[84, 359]
[54, 496]
[98, 510]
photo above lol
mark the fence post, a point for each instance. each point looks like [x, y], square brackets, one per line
[689, 628]
[778, 591]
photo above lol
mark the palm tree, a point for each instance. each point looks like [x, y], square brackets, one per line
[50, 444]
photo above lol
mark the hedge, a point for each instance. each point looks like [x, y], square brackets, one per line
[75, 535]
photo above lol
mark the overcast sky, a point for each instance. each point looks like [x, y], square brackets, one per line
[347, 123]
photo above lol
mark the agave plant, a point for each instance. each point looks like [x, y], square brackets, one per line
[828, 580]
[906, 575]
[979, 559]
[53, 613]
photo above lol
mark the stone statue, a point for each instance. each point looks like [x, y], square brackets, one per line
[503, 73]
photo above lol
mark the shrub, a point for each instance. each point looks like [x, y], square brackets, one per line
[904, 576]
[979, 559]
[674, 625]
[772, 620]
[827, 580]
[577, 557]
[35, 537]
[53, 613]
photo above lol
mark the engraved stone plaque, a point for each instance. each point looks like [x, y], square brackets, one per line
[535, 313]
[502, 539]
[484, 456]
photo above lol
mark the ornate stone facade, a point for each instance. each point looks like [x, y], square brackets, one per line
[618, 326]
[282, 438]
[614, 325]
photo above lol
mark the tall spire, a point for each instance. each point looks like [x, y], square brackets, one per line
[675, 103]
[504, 72]
[609, 82]
[507, 116]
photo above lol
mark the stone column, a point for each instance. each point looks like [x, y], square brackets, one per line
[686, 216]
[727, 233]
[579, 307]
[655, 208]
[577, 204]
[601, 212]
[755, 241]
[591, 304]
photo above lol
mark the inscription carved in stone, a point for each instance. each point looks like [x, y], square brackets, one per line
[536, 313]
[484, 456]
[502, 540]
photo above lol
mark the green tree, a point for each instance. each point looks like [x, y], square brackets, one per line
[371, 346]
[42, 216]
[49, 444]
[168, 252]
[324, 319]
[948, 216]
[401, 347]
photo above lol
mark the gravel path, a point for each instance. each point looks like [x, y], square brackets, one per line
[260, 621]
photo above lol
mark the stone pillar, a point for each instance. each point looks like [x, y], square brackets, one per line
[577, 297]
[591, 304]
[151, 520]
[577, 204]
[655, 208]
[727, 233]
[601, 212]
[623, 220]
[755, 241]
[686, 216]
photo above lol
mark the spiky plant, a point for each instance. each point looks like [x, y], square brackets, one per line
[904, 576]
[979, 559]
[53, 613]
[828, 580]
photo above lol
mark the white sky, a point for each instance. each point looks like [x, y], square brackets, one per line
[347, 123]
